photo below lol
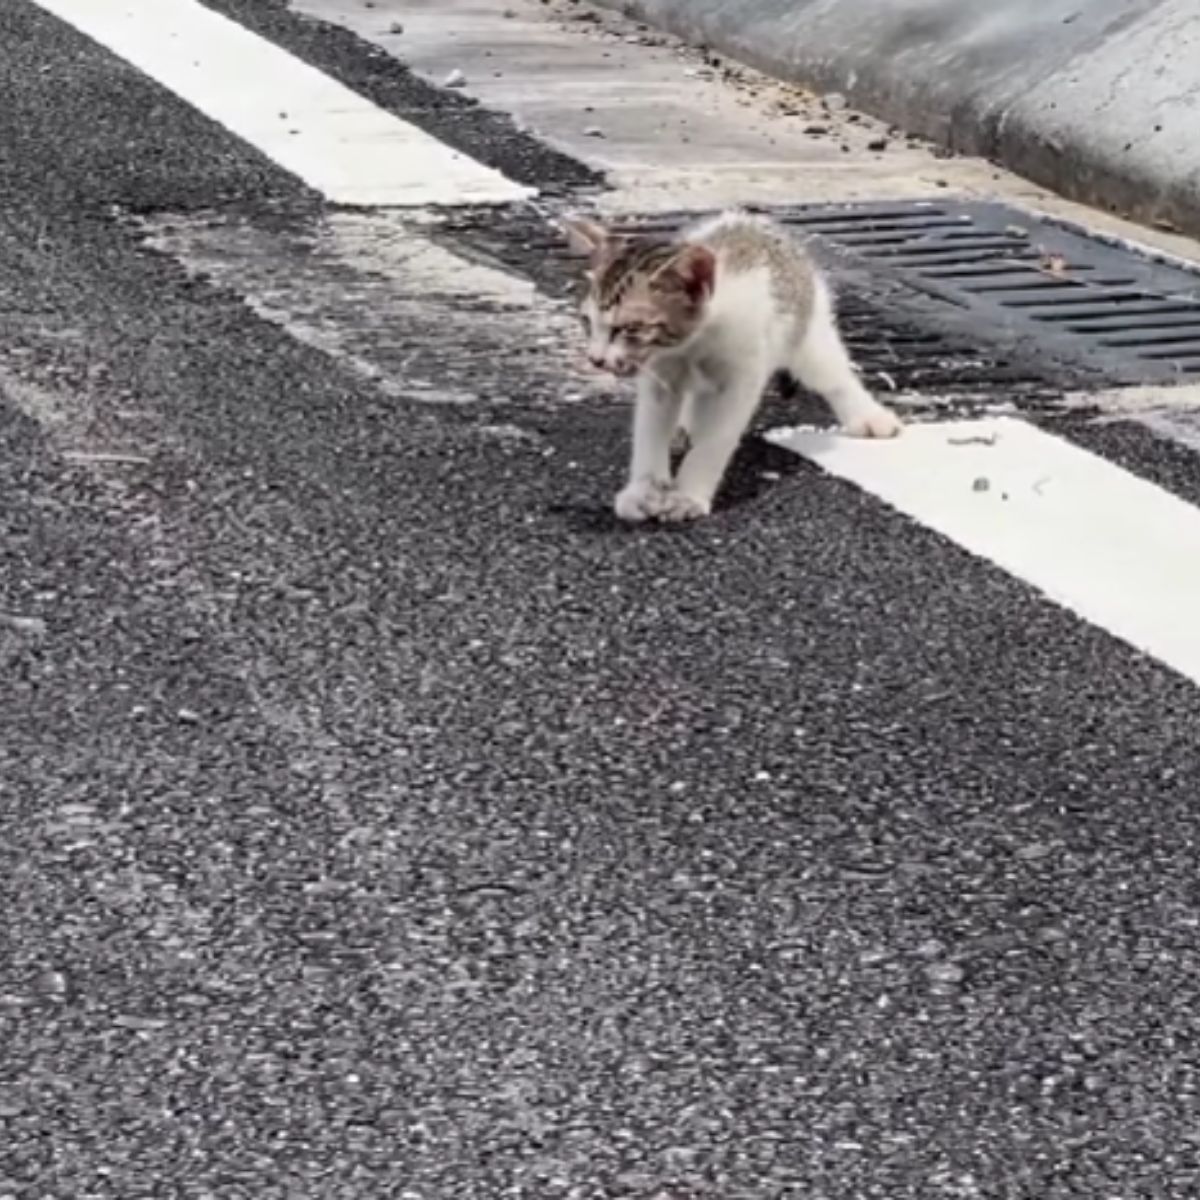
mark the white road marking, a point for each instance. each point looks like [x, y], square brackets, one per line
[1116, 550]
[338, 142]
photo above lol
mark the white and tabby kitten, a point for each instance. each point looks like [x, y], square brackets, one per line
[704, 321]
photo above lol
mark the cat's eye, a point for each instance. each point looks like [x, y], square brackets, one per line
[642, 332]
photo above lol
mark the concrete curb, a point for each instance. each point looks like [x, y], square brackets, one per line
[1096, 99]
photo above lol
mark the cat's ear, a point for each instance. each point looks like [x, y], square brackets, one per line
[585, 237]
[693, 270]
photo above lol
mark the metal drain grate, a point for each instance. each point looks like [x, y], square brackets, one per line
[1102, 305]
[900, 339]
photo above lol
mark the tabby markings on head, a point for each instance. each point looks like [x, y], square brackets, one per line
[639, 257]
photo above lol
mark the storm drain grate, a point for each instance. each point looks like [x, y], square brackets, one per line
[894, 333]
[1103, 305]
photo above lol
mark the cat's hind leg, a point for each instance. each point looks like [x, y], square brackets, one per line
[823, 365]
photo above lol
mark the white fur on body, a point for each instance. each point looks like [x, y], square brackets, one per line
[711, 385]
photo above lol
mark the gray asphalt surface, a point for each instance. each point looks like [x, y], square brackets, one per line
[377, 819]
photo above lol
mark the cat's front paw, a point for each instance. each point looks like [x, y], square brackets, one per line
[877, 421]
[679, 507]
[640, 500]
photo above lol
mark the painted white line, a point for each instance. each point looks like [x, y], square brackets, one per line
[339, 143]
[1111, 547]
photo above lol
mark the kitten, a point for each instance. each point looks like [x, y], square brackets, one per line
[704, 321]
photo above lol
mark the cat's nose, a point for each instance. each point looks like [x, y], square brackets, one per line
[597, 360]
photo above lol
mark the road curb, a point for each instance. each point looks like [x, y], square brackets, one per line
[1097, 101]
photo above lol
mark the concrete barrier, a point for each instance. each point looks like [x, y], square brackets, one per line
[1097, 99]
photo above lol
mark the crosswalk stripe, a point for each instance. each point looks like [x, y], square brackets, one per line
[342, 145]
[1113, 548]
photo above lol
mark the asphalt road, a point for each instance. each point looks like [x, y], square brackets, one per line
[379, 819]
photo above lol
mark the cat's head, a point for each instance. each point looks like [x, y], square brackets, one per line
[645, 295]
